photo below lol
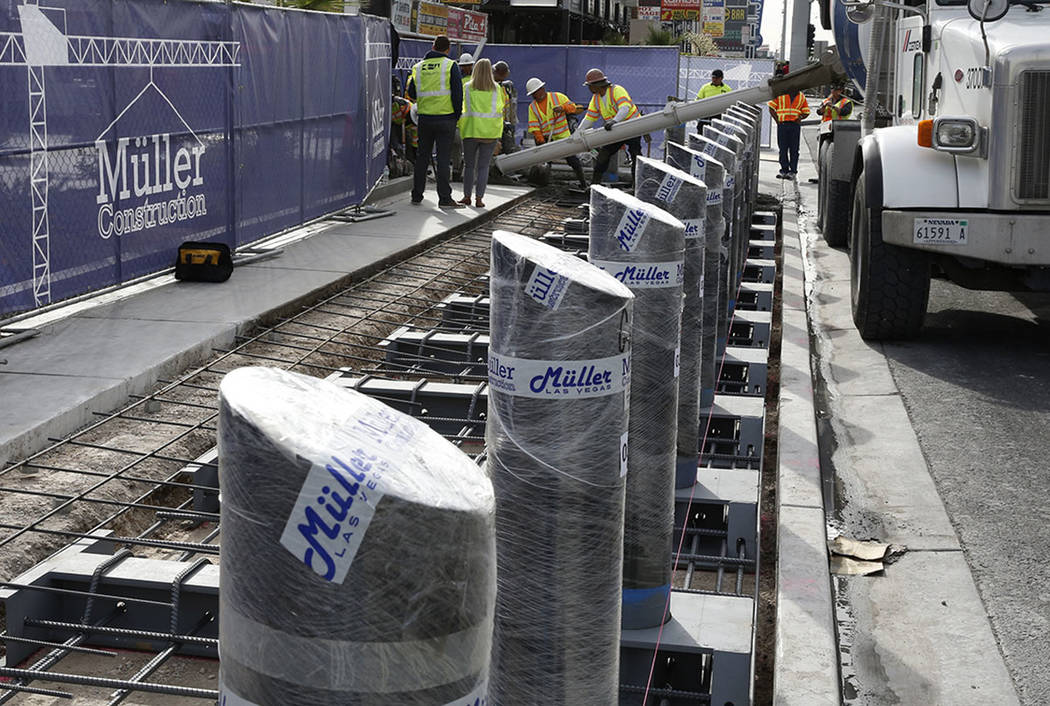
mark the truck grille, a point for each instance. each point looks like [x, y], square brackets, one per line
[1033, 175]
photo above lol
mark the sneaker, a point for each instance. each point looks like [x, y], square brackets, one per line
[416, 202]
[790, 176]
[781, 175]
[450, 204]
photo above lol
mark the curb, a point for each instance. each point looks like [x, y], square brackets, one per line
[806, 665]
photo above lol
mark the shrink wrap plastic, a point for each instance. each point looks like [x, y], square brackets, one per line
[358, 551]
[725, 136]
[727, 158]
[559, 358]
[685, 198]
[716, 259]
[643, 246]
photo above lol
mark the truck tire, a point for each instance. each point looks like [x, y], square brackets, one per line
[836, 213]
[890, 285]
[822, 184]
[834, 201]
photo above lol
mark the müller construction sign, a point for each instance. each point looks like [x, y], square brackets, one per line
[132, 126]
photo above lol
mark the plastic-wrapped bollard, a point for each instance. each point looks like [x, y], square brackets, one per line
[743, 127]
[727, 158]
[558, 370]
[716, 260]
[643, 247]
[685, 198]
[733, 142]
[358, 551]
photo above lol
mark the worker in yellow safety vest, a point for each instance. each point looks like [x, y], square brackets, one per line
[837, 106]
[436, 85]
[481, 127]
[714, 87]
[613, 104]
[788, 111]
[548, 121]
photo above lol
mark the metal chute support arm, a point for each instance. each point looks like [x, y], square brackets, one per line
[816, 74]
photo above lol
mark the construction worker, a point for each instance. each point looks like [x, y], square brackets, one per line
[481, 127]
[613, 104]
[714, 87]
[501, 72]
[788, 110]
[466, 65]
[547, 120]
[437, 87]
[836, 106]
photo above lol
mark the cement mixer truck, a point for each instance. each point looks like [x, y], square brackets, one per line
[948, 171]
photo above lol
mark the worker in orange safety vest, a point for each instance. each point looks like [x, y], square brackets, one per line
[836, 106]
[789, 110]
[548, 121]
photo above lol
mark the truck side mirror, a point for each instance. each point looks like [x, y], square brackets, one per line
[859, 11]
[988, 10]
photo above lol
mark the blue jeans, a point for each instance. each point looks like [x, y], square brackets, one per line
[788, 135]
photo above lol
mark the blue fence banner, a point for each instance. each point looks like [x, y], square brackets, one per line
[129, 127]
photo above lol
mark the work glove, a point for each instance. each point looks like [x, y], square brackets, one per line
[609, 125]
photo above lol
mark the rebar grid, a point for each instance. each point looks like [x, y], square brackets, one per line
[130, 472]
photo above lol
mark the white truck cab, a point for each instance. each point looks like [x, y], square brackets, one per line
[950, 167]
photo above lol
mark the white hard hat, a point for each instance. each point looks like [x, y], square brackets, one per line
[533, 85]
[465, 59]
[413, 112]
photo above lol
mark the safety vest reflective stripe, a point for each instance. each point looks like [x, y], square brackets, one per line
[837, 109]
[542, 119]
[482, 114]
[608, 105]
[432, 78]
[788, 109]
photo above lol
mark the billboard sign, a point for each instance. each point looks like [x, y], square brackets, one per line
[432, 19]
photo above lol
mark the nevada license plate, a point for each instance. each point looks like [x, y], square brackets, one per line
[940, 231]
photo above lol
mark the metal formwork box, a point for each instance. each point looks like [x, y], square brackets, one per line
[704, 655]
[719, 514]
[759, 271]
[755, 296]
[764, 232]
[744, 371]
[734, 432]
[163, 599]
[761, 250]
[464, 311]
[453, 354]
[751, 329]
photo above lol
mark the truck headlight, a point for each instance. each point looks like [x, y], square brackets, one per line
[961, 135]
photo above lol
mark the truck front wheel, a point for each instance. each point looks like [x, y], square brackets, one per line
[890, 285]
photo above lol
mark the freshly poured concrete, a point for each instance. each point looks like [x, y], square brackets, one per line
[92, 360]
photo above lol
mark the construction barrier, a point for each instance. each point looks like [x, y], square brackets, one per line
[130, 127]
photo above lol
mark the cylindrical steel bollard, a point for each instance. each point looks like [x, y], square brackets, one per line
[716, 260]
[685, 198]
[358, 550]
[733, 142]
[558, 370]
[643, 247]
[727, 158]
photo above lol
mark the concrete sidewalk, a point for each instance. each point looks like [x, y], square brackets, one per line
[917, 633]
[91, 356]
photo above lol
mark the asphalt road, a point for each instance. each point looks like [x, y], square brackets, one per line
[977, 389]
